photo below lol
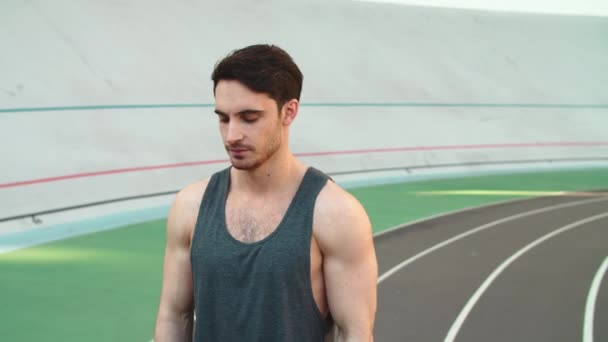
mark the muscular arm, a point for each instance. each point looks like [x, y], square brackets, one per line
[175, 314]
[344, 233]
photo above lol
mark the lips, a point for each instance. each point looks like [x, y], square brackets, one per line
[237, 152]
[238, 148]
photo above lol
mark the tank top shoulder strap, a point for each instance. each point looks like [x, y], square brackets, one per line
[313, 183]
[213, 198]
[304, 202]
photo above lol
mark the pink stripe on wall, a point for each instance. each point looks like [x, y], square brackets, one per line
[311, 154]
[110, 172]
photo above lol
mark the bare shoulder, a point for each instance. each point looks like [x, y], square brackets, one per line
[184, 210]
[339, 218]
[334, 202]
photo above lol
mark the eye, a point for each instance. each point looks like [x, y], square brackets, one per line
[250, 118]
[223, 118]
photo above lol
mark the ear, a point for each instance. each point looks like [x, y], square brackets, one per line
[290, 111]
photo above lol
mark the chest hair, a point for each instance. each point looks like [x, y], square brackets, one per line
[250, 221]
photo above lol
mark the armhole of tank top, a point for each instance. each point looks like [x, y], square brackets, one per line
[328, 322]
[325, 322]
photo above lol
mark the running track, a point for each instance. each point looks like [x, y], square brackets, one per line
[516, 271]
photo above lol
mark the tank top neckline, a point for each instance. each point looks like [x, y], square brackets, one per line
[292, 204]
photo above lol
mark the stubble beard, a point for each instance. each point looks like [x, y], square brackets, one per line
[257, 159]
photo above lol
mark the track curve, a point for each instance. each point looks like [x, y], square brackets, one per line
[537, 297]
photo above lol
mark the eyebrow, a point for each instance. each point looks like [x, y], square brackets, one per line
[242, 112]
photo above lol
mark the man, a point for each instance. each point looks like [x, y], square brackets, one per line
[268, 249]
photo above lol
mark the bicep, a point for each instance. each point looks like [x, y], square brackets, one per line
[351, 271]
[351, 289]
[177, 292]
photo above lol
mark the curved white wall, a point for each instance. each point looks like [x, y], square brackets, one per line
[421, 60]
[567, 7]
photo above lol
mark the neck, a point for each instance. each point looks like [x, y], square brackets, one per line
[277, 173]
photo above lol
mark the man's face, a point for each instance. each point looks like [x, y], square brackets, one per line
[249, 123]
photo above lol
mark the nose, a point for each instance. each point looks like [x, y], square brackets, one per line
[234, 133]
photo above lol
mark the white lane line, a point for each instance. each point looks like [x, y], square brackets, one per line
[455, 328]
[398, 267]
[453, 212]
[591, 300]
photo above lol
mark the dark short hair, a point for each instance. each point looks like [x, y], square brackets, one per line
[263, 69]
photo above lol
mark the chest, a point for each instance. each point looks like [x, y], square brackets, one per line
[253, 219]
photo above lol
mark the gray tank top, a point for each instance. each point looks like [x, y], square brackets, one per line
[257, 291]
